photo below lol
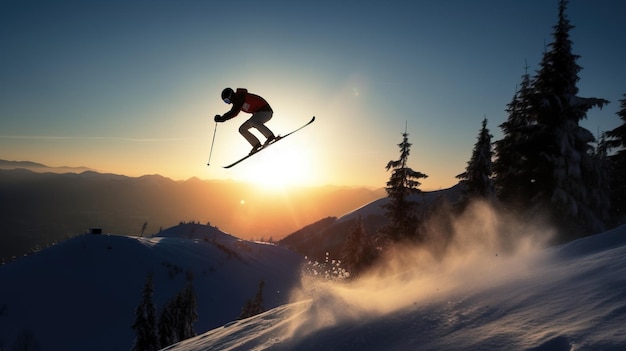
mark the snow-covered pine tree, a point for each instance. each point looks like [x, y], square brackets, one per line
[145, 321]
[477, 176]
[565, 176]
[512, 178]
[187, 305]
[166, 325]
[400, 211]
[178, 316]
[616, 139]
[358, 251]
[254, 306]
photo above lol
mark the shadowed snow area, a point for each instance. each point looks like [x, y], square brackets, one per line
[82, 294]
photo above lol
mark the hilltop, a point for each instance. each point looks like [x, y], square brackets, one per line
[81, 294]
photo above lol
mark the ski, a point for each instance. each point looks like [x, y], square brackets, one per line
[278, 138]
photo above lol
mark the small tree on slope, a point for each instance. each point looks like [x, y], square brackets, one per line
[358, 252]
[178, 316]
[145, 321]
[254, 306]
[167, 322]
[188, 305]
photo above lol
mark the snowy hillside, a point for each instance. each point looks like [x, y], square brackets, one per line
[327, 236]
[375, 208]
[82, 293]
[566, 298]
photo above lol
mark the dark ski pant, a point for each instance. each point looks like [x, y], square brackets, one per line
[256, 121]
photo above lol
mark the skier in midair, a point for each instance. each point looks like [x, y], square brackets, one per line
[261, 112]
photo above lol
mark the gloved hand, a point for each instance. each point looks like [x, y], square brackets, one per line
[219, 118]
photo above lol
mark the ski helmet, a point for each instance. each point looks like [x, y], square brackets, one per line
[227, 95]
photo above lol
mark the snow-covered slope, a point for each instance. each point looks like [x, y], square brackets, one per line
[326, 238]
[82, 293]
[567, 298]
[427, 197]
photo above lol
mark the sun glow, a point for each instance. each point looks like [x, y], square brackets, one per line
[280, 167]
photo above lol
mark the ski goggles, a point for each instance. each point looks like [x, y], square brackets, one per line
[227, 100]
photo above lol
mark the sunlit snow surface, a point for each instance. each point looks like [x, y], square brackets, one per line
[571, 297]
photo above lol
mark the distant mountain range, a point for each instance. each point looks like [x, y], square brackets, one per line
[38, 167]
[37, 209]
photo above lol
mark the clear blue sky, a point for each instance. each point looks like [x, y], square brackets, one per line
[131, 87]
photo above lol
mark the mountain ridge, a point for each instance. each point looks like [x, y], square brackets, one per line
[39, 167]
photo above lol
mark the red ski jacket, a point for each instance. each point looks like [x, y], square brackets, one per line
[244, 101]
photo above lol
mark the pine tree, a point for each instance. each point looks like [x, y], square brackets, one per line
[566, 181]
[187, 304]
[477, 176]
[512, 177]
[358, 252]
[178, 316]
[254, 306]
[145, 321]
[167, 322]
[616, 139]
[400, 211]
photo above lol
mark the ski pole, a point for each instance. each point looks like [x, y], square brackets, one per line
[212, 142]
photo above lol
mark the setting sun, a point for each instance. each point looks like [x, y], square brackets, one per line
[278, 167]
